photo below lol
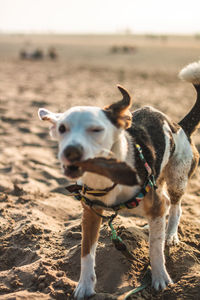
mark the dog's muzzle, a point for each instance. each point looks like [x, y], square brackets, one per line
[73, 154]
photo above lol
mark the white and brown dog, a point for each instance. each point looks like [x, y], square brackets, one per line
[88, 132]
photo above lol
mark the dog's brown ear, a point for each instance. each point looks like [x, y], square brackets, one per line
[118, 112]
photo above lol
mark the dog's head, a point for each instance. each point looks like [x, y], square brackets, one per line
[85, 132]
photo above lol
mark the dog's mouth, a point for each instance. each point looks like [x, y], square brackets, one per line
[117, 171]
[73, 171]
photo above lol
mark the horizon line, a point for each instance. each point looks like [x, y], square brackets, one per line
[120, 32]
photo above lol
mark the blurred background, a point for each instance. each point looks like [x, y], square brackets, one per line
[125, 25]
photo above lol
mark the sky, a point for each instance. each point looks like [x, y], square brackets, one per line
[100, 16]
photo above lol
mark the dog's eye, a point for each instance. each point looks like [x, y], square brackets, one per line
[62, 128]
[95, 129]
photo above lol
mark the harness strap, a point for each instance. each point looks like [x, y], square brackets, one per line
[146, 165]
[79, 191]
[129, 204]
[76, 188]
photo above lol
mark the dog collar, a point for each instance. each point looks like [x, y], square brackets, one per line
[79, 191]
[131, 203]
[84, 189]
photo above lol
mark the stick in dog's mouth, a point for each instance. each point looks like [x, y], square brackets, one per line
[119, 172]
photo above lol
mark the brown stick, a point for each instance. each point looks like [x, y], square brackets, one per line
[118, 172]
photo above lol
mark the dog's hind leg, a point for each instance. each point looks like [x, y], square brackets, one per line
[176, 179]
[90, 230]
[160, 277]
[181, 166]
[173, 222]
[176, 184]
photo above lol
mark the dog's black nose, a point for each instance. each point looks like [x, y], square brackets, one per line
[73, 153]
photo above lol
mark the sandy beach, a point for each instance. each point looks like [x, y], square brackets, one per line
[40, 225]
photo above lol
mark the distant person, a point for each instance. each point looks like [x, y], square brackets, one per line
[37, 54]
[34, 55]
[23, 54]
[52, 53]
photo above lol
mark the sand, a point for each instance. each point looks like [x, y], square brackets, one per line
[40, 225]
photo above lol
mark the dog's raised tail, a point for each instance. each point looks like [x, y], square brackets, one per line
[191, 73]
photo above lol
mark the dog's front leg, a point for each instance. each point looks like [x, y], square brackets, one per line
[160, 277]
[90, 230]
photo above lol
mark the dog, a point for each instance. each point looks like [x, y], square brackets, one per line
[86, 132]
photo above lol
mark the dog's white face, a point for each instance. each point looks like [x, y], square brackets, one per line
[85, 132]
[82, 133]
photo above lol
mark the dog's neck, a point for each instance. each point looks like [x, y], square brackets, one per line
[120, 151]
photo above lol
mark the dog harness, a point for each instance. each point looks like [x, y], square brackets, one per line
[80, 191]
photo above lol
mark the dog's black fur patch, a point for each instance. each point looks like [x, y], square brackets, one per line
[147, 131]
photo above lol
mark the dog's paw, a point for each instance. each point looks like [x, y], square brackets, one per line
[161, 282]
[84, 289]
[172, 239]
